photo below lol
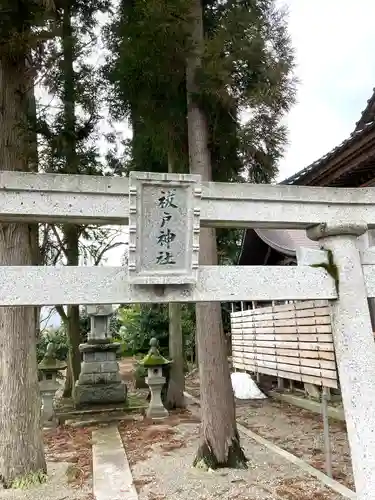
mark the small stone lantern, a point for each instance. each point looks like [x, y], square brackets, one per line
[154, 363]
[49, 368]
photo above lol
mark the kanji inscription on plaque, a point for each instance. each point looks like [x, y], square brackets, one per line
[164, 228]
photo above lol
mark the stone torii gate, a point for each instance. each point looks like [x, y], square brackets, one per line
[165, 212]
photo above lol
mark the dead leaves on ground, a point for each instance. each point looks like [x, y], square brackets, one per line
[140, 437]
[297, 489]
[73, 445]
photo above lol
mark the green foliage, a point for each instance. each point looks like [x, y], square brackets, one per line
[69, 132]
[140, 323]
[229, 243]
[30, 480]
[140, 371]
[147, 47]
[84, 324]
[188, 330]
[115, 325]
[67, 122]
[21, 26]
[247, 67]
[59, 340]
[123, 351]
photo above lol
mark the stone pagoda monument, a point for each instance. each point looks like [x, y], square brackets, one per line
[99, 381]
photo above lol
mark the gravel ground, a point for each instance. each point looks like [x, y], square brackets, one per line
[162, 465]
[300, 432]
[165, 472]
[296, 430]
[56, 488]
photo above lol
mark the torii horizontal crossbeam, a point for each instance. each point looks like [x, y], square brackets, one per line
[110, 285]
[28, 197]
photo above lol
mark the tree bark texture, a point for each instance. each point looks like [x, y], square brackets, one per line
[176, 385]
[71, 232]
[68, 383]
[220, 444]
[72, 325]
[33, 167]
[21, 442]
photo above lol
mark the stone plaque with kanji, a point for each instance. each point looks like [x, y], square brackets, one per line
[164, 228]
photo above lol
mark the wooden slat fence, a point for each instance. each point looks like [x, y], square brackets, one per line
[291, 341]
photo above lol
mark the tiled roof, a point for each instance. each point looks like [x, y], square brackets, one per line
[357, 134]
[368, 114]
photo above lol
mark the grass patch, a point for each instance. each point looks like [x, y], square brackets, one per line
[29, 480]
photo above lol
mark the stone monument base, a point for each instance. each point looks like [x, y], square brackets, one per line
[99, 381]
[99, 394]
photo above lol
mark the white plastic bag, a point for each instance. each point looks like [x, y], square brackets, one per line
[244, 387]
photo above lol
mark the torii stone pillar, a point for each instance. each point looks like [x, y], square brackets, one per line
[354, 347]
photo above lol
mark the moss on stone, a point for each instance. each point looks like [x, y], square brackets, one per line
[154, 359]
[331, 268]
[51, 364]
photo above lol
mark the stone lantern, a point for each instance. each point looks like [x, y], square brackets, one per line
[49, 368]
[154, 362]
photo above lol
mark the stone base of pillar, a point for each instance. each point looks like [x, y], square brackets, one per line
[99, 381]
[156, 410]
[99, 394]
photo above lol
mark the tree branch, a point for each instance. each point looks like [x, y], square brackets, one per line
[106, 249]
[57, 256]
[45, 320]
[57, 236]
[62, 314]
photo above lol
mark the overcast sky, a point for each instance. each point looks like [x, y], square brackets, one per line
[334, 42]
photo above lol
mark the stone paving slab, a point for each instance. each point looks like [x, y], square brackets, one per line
[112, 478]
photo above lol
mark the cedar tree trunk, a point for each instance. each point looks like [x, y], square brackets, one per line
[176, 386]
[220, 445]
[21, 442]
